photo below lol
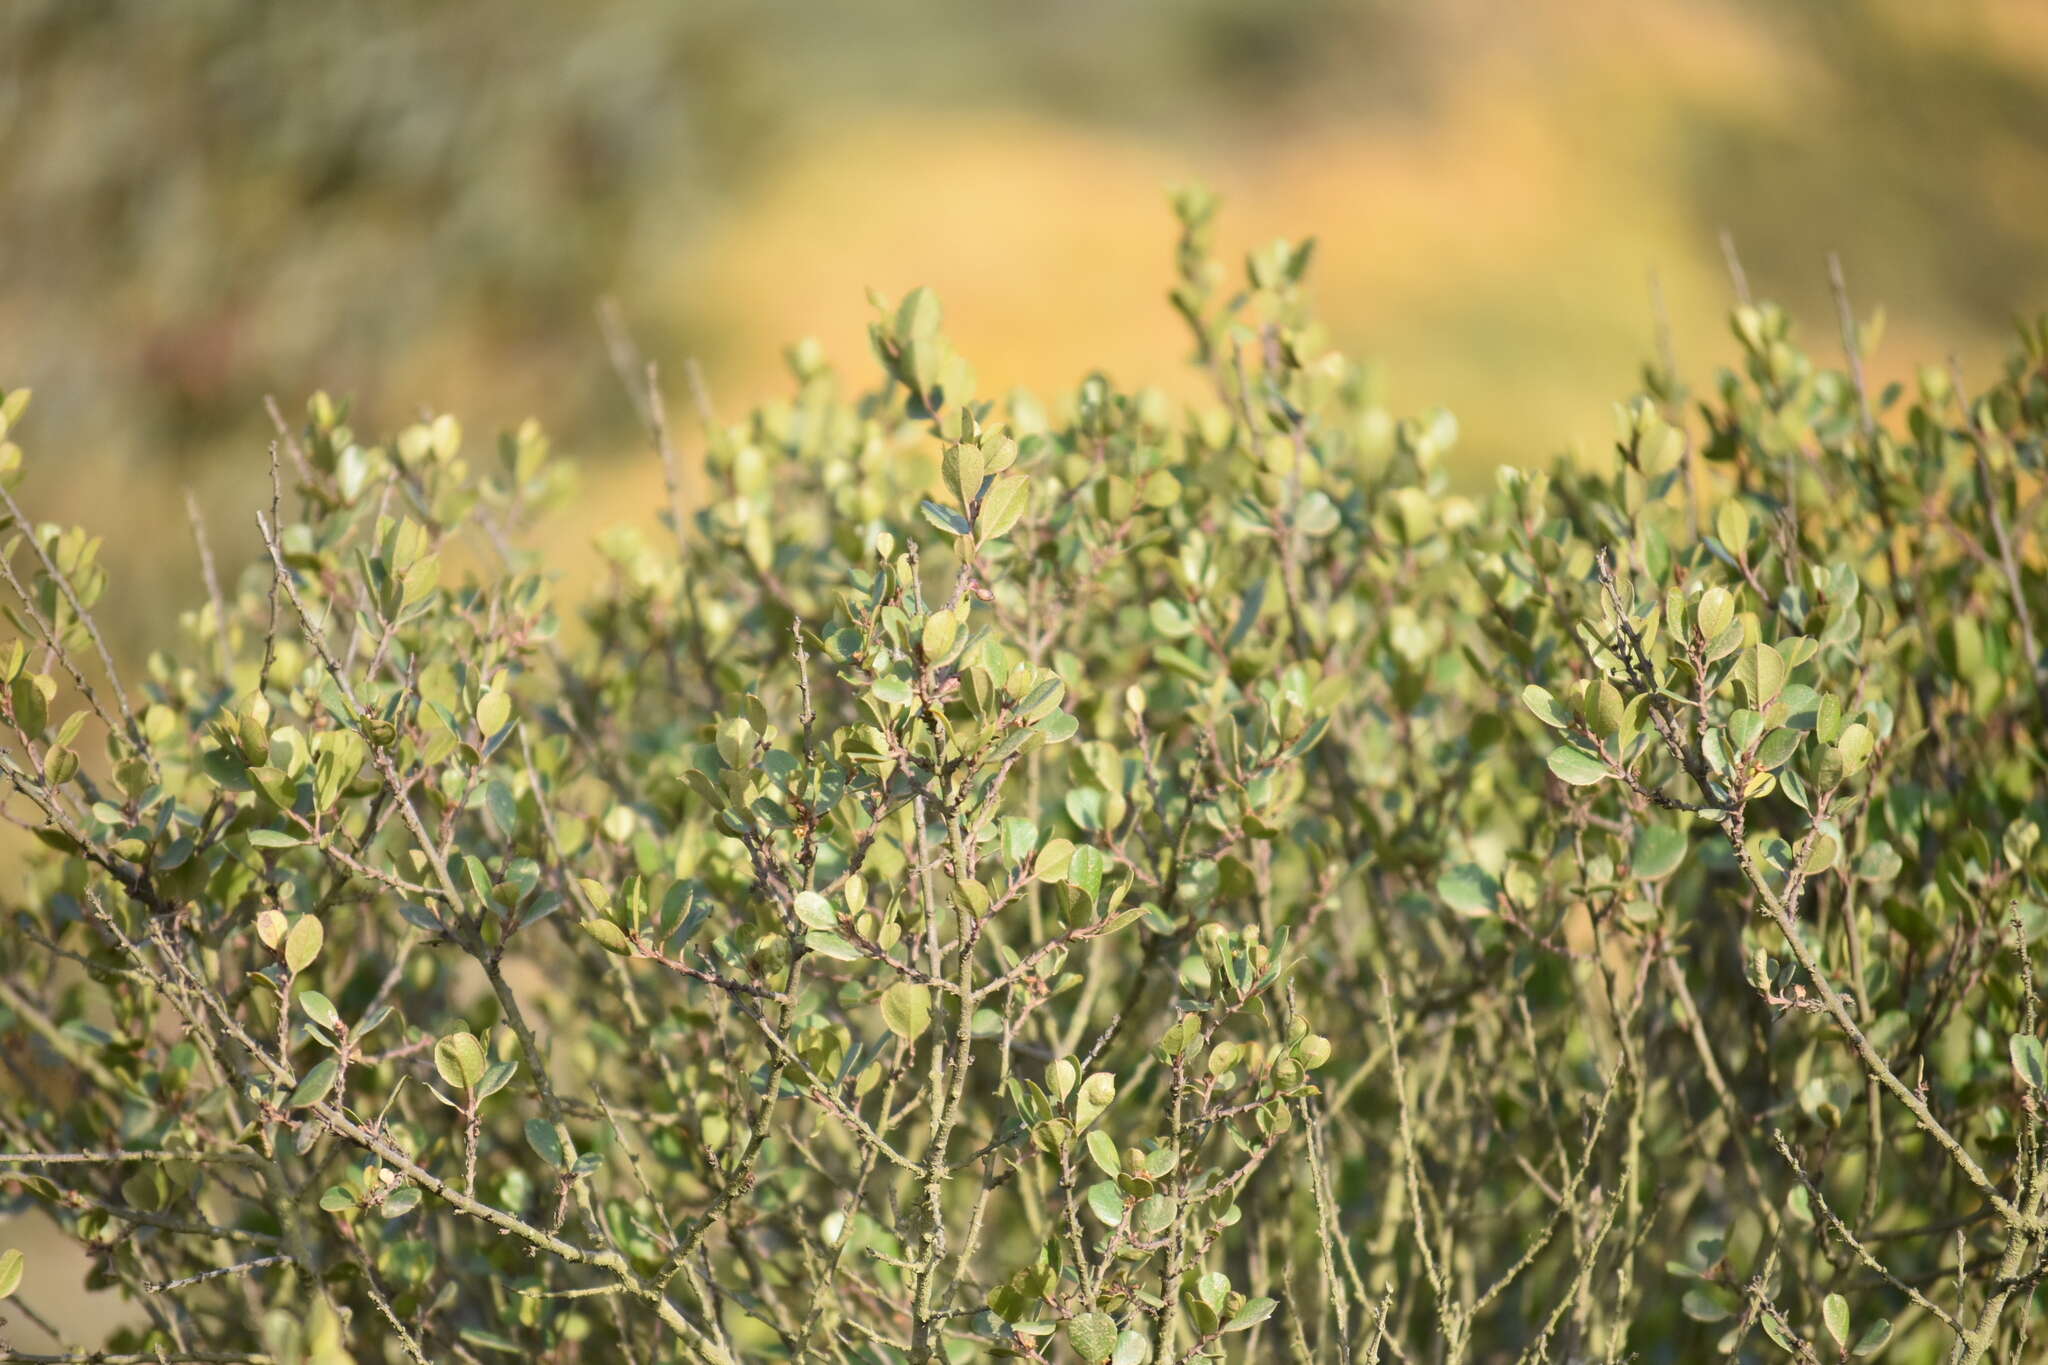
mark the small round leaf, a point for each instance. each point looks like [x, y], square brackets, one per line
[460, 1059]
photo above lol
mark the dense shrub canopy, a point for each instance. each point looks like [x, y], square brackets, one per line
[1099, 880]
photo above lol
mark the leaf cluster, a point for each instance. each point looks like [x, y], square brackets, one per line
[1102, 880]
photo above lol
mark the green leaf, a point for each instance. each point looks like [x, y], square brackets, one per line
[1132, 1348]
[1106, 1202]
[1714, 612]
[11, 1267]
[1161, 490]
[1545, 707]
[31, 703]
[503, 806]
[1657, 852]
[1855, 747]
[1058, 728]
[1834, 1311]
[1020, 836]
[546, 1143]
[495, 1078]
[60, 765]
[1003, 505]
[1828, 719]
[1041, 700]
[609, 936]
[1170, 619]
[320, 1010]
[1879, 862]
[814, 910]
[1093, 1097]
[1468, 890]
[302, 944]
[1084, 870]
[828, 944]
[945, 518]
[940, 630]
[1054, 859]
[1778, 746]
[493, 713]
[1093, 1336]
[313, 1087]
[1731, 527]
[1766, 674]
[1777, 1333]
[1316, 516]
[892, 690]
[961, 468]
[1254, 1312]
[1701, 1305]
[1576, 766]
[2029, 1059]
[1873, 1339]
[1604, 707]
[275, 787]
[273, 838]
[907, 1009]
[918, 315]
[460, 1059]
[1102, 1150]
[474, 875]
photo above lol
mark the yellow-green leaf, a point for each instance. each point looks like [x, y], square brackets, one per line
[460, 1059]
[907, 1009]
[302, 944]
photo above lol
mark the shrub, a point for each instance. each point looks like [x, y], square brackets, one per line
[1110, 881]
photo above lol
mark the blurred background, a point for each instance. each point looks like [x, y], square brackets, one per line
[206, 201]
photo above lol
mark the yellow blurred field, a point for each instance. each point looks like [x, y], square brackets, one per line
[1492, 193]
